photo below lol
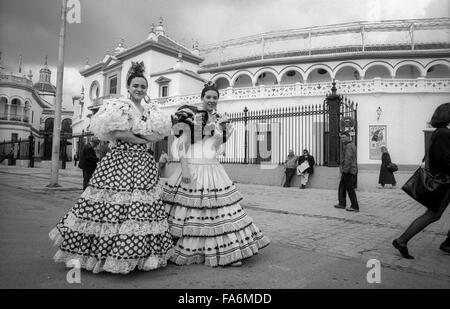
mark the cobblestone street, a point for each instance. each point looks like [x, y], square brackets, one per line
[313, 244]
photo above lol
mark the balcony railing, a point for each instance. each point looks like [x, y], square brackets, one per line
[14, 117]
[16, 80]
[376, 85]
[99, 101]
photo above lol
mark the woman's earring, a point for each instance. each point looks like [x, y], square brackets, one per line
[146, 99]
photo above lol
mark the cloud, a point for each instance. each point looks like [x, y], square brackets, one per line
[31, 28]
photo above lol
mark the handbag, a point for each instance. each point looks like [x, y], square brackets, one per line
[392, 167]
[427, 189]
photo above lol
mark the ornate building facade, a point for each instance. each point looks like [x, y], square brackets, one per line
[27, 109]
[395, 73]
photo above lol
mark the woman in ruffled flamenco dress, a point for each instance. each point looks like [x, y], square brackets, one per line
[205, 218]
[119, 223]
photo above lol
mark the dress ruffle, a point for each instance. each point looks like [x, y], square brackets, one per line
[114, 114]
[119, 223]
[123, 197]
[220, 250]
[206, 222]
[210, 187]
[112, 265]
[100, 229]
[121, 114]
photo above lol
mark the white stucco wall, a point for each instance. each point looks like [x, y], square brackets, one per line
[405, 115]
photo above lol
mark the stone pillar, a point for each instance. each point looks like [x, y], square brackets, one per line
[22, 112]
[333, 102]
[8, 110]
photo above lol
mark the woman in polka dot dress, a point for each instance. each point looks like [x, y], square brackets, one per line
[205, 218]
[119, 223]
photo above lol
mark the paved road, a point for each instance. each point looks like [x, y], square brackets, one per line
[313, 244]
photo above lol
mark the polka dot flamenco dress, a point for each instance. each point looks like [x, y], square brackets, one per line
[119, 223]
[205, 217]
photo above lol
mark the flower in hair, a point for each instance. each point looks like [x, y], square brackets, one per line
[136, 68]
[210, 84]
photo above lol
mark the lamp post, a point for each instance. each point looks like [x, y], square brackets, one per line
[58, 102]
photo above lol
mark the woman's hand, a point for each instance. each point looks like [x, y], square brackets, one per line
[154, 137]
[185, 179]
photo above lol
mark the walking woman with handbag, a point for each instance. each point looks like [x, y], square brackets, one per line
[439, 167]
[387, 169]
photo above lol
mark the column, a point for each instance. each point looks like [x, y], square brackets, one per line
[362, 39]
[8, 109]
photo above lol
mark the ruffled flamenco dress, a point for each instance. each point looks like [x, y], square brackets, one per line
[205, 217]
[119, 223]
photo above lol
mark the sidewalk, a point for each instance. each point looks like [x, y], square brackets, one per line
[301, 220]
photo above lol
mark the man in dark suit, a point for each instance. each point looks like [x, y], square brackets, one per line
[349, 170]
[88, 160]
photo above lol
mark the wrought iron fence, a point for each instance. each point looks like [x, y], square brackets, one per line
[268, 135]
[19, 150]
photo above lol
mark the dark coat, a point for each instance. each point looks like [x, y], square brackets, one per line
[311, 162]
[386, 176]
[348, 161]
[439, 155]
[88, 158]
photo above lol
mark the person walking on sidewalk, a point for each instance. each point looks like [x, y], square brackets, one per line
[348, 169]
[439, 164]
[88, 160]
[305, 168]
[75, 159]
[290, 166]
[386, 175]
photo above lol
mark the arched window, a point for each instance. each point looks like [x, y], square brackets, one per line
[66, 126]
[377, 71]
[266, 79]
[48, 127]
[438, 71]
[3, 108]
[222, 83]
[94, 93]
[291, 77]
[14, 110]
[243, 80]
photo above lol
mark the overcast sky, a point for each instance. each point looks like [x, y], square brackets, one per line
[31, 27]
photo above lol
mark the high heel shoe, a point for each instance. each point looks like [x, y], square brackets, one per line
[403, 249]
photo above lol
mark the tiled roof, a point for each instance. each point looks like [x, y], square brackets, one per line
[44, 87]
[172, 44]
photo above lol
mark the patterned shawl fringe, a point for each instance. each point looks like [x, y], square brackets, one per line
[219, 259]
[221, 200]
[130, 227]
[122, 197]
[113, 265]
[218, 229]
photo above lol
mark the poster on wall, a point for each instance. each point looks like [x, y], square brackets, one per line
[377, 138]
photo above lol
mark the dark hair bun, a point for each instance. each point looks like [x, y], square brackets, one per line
[137, 69]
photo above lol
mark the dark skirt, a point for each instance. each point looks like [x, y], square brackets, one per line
[119, 223]
[386, 176]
